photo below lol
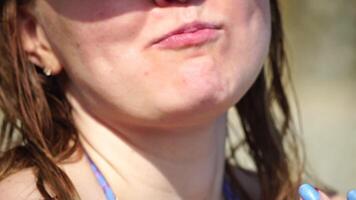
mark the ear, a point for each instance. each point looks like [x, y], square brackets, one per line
[35, 42]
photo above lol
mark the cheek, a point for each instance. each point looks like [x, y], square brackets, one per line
[113, 39]
[101, 59]
[85, 45]
[246, 46]
[249, 33]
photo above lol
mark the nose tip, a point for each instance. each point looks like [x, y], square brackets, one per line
[167, 2]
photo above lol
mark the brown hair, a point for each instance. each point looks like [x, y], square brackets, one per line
[36, 110]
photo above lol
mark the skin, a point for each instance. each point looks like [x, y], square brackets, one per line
[153, 120]
[134, 85]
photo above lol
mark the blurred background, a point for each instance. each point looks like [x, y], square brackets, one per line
[321, 42]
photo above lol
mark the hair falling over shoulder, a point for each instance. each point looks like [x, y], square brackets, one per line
[36, 113]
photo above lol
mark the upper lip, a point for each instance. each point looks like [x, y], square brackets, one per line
[188, 28]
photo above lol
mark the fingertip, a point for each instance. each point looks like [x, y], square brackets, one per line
[351, 195]
[308, 192]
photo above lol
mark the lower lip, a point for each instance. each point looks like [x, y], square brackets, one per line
[184, 40]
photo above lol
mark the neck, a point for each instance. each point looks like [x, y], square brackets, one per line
[154, 163]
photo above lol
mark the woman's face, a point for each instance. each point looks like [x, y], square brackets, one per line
[114, 71]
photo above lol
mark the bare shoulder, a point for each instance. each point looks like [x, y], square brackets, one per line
[21, 185]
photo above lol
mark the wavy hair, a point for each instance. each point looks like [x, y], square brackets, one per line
[37, 130]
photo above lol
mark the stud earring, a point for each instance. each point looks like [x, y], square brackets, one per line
[47, 71]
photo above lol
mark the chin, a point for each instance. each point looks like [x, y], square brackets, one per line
[199, 106]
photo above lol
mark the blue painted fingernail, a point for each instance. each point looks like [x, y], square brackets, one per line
[351, 195]
[308, 192]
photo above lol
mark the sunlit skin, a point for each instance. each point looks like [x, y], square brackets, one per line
[153, 120]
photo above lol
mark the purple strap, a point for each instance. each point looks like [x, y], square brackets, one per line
[110, 195]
